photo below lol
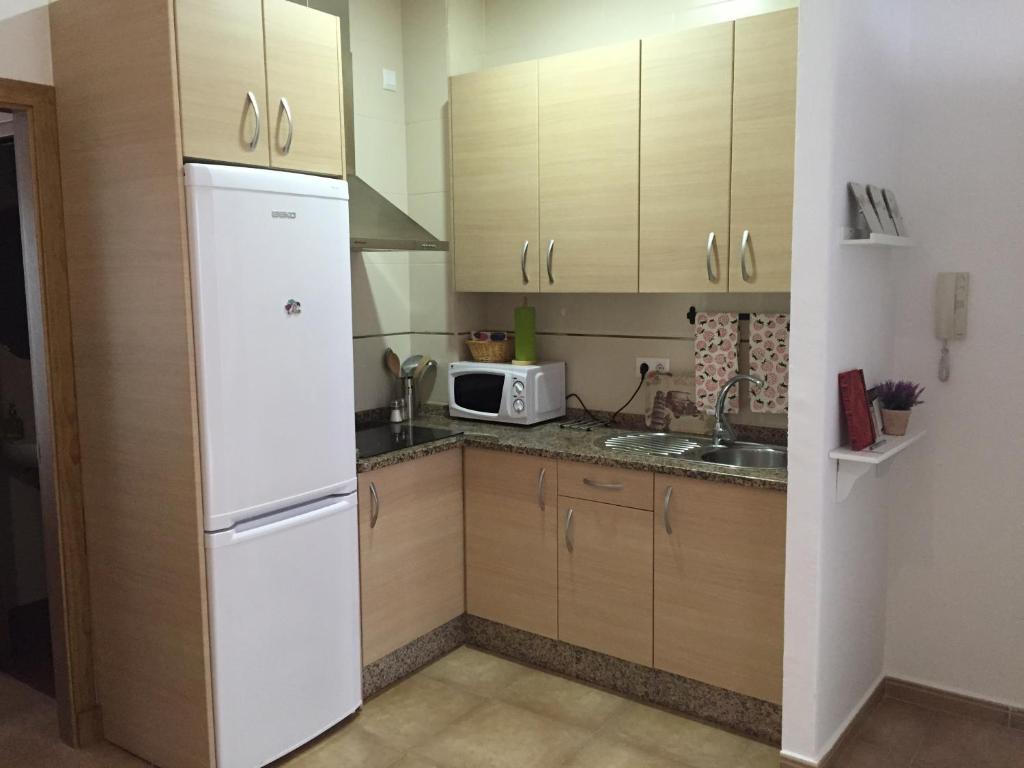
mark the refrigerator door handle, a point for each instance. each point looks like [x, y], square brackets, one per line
[274, 523]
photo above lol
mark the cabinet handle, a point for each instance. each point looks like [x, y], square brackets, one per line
[291, 126]
[568, 530]
[522, 262]
[251, 102]
[746, 246]
[374, 505]
[665, 511]
[551, 252]
[712, 258]
[603, 486]
[540, 488]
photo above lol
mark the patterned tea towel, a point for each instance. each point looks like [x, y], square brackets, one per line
[769, 359]
[716, 358]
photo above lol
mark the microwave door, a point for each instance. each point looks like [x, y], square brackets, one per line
[479, 393]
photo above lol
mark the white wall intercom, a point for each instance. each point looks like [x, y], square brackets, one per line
[950, 313]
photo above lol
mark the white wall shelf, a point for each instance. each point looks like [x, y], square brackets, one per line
[852, 465]
[877, 240]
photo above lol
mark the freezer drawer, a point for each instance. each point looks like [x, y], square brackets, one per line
[284, 630]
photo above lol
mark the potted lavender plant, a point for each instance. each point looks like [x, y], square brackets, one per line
[897, 398]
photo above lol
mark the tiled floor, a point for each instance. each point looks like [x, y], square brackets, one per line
[900, 735]
[29, 739]
[474, 710]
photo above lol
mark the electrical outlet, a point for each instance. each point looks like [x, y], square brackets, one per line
[656, 364]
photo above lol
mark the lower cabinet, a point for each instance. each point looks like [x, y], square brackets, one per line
[410, 550]
[719, 568]
[511, 565]
[605, 590]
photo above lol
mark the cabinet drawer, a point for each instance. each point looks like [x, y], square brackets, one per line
[624, 487]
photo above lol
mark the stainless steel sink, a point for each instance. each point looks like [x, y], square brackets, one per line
[742, 455]
[656, 443]
[746, 456]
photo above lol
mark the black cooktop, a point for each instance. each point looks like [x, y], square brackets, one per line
[383, 438]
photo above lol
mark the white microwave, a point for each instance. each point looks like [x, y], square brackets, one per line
[513, 394]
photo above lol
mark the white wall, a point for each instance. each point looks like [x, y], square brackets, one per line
[25, 41]
[956, 566]
[517, 30]
[404, 300]
[848, 115]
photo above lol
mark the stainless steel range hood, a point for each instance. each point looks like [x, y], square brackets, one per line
[376, 223]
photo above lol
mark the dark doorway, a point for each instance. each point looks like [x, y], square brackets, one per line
[25, 642]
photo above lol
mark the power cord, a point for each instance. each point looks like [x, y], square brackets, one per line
[644, 368]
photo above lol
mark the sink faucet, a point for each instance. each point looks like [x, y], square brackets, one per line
[723, 431]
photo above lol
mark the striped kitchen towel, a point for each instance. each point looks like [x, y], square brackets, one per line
[769, 359]
[716, 357]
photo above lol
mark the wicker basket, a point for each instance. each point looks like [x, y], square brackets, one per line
[491, 351]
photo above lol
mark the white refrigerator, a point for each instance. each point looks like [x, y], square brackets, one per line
[272, 316]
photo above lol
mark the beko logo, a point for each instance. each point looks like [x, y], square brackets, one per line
[282, 214]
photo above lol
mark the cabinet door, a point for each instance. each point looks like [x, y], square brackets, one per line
[764, 130]
[589, 168]
[605, 582]
[685, 152]
[719, 567]
[410, 550]
[512, 540]
[304, 99]
[494, 179]
[220, 61]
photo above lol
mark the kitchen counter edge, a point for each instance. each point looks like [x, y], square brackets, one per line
[536, 441]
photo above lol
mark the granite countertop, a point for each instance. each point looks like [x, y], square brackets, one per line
[551, 441]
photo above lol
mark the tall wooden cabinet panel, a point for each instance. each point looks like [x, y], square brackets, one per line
[685, 152]
[512, 540]
[764, 129]
[410, 550]
[604, 578]
[494, 137]
[589, 167]
[304, 96]
[127, 260]
[719, 567]
[220, 61]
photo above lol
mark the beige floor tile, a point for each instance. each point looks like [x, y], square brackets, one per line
[415, 710]
[555, 697]
[347, 746]
[499, 735]
[482, 673]
[605, 752]
[415, 761]
[759, 756]
[698, 745]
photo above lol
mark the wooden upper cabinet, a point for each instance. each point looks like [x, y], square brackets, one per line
[412, 578]
[495, 202]
[589, 167]
[604, 578]
[220, 62]
[511, 540]
[764, 129]
[304, 88]
[719, 584]
[685, 154]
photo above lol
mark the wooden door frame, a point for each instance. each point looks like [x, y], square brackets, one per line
[60, 470]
